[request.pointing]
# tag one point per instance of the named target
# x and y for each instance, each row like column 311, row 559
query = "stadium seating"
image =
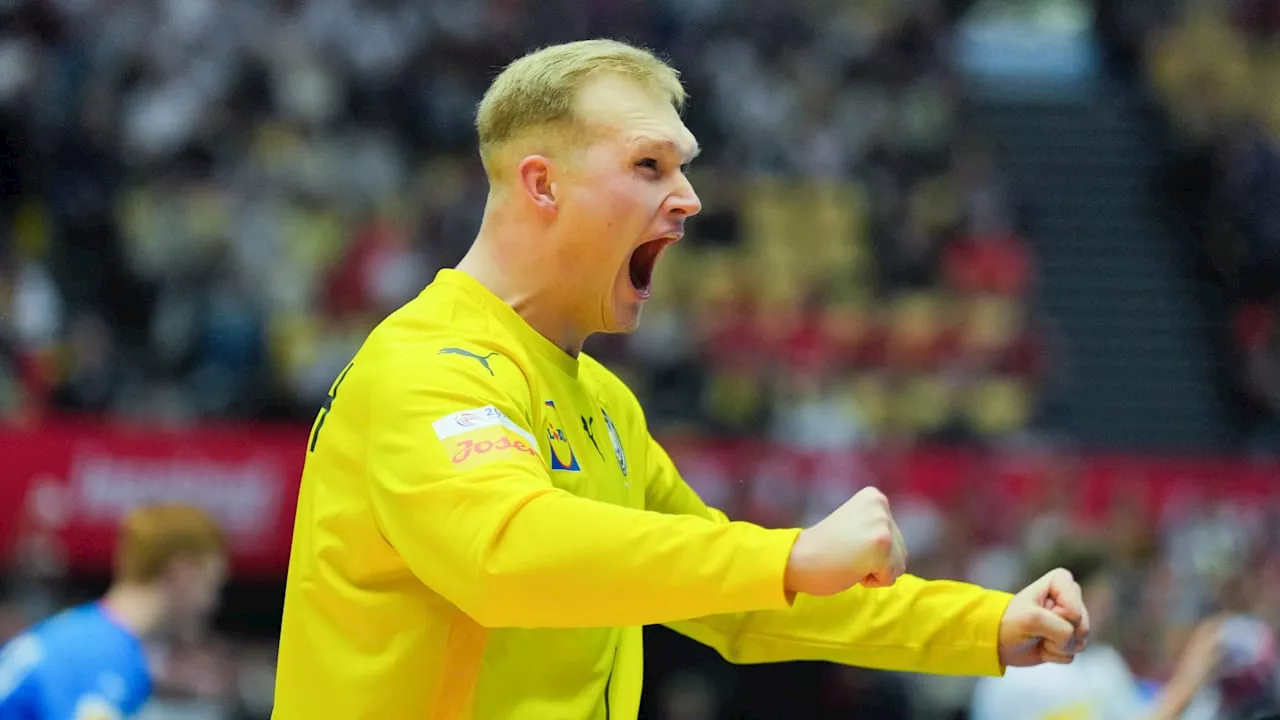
column 1216, row 72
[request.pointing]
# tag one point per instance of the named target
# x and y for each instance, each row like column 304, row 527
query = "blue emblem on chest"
column 562, row 457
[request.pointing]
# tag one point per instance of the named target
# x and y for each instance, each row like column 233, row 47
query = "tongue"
column 642, row 261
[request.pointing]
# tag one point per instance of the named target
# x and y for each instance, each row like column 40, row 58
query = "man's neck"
column 140, row 609
column 531, row 293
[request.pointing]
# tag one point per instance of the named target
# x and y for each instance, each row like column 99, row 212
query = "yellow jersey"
column 485, row 524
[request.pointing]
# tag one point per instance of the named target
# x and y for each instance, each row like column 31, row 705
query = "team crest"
column 616, row 439
column 562, row 457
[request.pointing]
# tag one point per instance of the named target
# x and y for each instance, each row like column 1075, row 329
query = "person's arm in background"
column 1196, row 667
column 938, row 626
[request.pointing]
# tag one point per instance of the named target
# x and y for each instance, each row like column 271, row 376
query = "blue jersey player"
column 88, row 663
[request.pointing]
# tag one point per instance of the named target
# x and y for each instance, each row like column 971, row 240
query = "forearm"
column 1174, row 699
column 937, row 627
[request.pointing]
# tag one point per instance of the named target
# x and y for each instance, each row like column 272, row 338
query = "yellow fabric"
column 476, row 537
column 939, row 627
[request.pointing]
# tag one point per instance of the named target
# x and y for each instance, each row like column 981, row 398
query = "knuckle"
column 874, row 494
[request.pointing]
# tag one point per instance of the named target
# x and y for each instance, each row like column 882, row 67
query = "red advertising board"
column 78, row 480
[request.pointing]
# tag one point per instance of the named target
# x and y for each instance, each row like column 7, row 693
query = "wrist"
column 793, row 575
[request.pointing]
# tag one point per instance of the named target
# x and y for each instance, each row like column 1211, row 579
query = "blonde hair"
column 151, row 537
column 537, row 92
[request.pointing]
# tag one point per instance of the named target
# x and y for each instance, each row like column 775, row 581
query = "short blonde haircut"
column 151, row 537
column 537, row 92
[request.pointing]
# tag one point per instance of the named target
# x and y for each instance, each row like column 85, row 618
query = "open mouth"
column 643, row 260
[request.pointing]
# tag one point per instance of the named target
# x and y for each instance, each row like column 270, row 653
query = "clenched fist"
column 859, row 543
column 1046, row 622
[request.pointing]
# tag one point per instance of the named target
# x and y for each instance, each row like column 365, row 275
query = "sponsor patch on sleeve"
column 476, row 436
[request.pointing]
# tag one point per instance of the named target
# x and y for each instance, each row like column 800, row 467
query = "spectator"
column 265, row 151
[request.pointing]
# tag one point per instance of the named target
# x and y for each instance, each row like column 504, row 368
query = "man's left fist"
column 1046, row 622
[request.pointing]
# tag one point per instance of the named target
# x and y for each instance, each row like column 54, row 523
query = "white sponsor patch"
column 465, row 421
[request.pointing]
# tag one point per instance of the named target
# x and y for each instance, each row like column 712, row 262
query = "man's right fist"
column 859, row 543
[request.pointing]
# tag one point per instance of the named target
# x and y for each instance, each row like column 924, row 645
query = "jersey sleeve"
column 459, row 489
column 937, row 627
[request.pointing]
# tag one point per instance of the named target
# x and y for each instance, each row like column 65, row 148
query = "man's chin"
column 624, row 318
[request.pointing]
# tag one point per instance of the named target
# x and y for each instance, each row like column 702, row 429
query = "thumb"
column 1047, row 624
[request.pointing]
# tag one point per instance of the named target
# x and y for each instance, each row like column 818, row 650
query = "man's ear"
column 180, row 568
column 535, row 179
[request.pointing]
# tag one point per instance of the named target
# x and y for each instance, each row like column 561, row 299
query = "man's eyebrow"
column 669, row 146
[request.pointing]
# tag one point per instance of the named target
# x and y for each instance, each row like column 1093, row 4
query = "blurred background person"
column 91, row 660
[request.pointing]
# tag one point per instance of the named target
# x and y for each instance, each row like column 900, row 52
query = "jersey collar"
column 530, row 338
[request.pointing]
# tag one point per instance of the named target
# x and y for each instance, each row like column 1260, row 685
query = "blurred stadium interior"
column 1016, row 263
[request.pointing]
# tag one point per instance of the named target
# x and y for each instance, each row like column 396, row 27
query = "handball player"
column 485, row 523
column 89, row 661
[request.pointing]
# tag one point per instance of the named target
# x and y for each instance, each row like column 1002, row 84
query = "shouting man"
column 485, row 523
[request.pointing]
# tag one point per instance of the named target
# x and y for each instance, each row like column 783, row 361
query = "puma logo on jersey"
column 482, row 359
column 589, row 427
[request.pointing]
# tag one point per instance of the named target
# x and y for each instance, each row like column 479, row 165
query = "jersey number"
column 328, row 405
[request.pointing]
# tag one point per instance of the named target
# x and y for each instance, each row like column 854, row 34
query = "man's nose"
column 684, row 202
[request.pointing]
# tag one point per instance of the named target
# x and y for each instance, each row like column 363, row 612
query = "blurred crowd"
column 1215, row 67
column 208, row 205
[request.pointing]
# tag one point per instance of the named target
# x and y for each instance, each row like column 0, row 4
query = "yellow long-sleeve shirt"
column 485, row 524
